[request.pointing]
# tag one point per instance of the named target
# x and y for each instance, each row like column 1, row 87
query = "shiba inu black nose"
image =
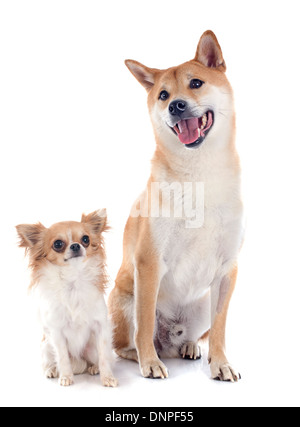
column 177, row 107
column 75, row 247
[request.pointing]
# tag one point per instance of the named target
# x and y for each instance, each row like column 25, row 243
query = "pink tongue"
column 188, row 130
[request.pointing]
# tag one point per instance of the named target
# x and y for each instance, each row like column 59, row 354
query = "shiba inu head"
column 192, row 103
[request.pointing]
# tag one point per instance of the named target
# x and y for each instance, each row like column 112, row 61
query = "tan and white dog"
column 68, row 265
column 177, row 277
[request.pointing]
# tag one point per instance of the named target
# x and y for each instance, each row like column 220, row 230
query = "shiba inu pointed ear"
column 209, row 52
column 145, row 75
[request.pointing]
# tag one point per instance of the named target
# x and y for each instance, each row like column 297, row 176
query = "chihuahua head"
column 65, row 242
column 192, row 103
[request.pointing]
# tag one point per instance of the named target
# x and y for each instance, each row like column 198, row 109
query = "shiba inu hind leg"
column 198, row 321
column 121, row 306
column 191, row 351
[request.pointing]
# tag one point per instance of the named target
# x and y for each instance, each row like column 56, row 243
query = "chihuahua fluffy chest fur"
column 69, row 301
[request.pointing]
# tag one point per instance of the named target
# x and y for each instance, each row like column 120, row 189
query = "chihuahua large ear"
column 145, row 75
column 30, row 235
column 97, row 220
column 209, row 52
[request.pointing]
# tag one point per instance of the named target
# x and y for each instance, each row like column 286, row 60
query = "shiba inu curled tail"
column 184, row 234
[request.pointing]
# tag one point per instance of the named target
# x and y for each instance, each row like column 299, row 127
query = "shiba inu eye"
column 164, row 95
column 196, row 83
column 85, row 241
column 58, row 246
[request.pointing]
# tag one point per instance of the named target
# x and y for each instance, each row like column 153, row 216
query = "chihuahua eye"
column 196, row 83
column 85, row 241
column 58, row 245
column 164, row 95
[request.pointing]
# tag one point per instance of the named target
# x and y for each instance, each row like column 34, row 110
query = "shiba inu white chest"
column 196, row 251
column 191, row 258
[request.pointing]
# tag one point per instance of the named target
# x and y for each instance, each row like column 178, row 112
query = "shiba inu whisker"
column 220, row 112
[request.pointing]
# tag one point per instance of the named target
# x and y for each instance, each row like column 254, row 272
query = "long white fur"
column 75, row 321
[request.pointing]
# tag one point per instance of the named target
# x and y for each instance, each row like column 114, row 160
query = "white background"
column 75, row 136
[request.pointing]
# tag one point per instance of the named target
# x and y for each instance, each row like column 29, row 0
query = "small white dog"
column 69, row 278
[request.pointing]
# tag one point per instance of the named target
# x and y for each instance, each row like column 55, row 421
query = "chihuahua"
column 69, row 280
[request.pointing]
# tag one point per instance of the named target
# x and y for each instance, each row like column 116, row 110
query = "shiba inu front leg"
column 221, row 295
column 147, row 282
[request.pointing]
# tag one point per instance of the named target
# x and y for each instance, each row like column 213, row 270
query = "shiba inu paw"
column 109, row 381
column 93, row 370
column 224, row 372
column 154, row 369
column 190, row 351
column 51, row 372
column 66, row 381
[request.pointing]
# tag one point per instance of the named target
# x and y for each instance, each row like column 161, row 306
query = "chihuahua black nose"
column 177, row 107
column 75, row 247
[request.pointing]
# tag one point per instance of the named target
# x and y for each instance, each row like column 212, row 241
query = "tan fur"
column 38, row 240
column 134, row 298
column 147, row 282
column 124, row 287
column 217, row 358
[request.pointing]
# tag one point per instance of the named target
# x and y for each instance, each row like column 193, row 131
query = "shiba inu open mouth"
column 194, row 130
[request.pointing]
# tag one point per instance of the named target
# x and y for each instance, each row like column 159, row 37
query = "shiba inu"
column 177, row 278
column 68, row 280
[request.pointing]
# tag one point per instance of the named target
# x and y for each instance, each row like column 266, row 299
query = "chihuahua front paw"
column 51, row 372
column 66, row 381
column 93, row 370
column 109, row 381
column 154, row 369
